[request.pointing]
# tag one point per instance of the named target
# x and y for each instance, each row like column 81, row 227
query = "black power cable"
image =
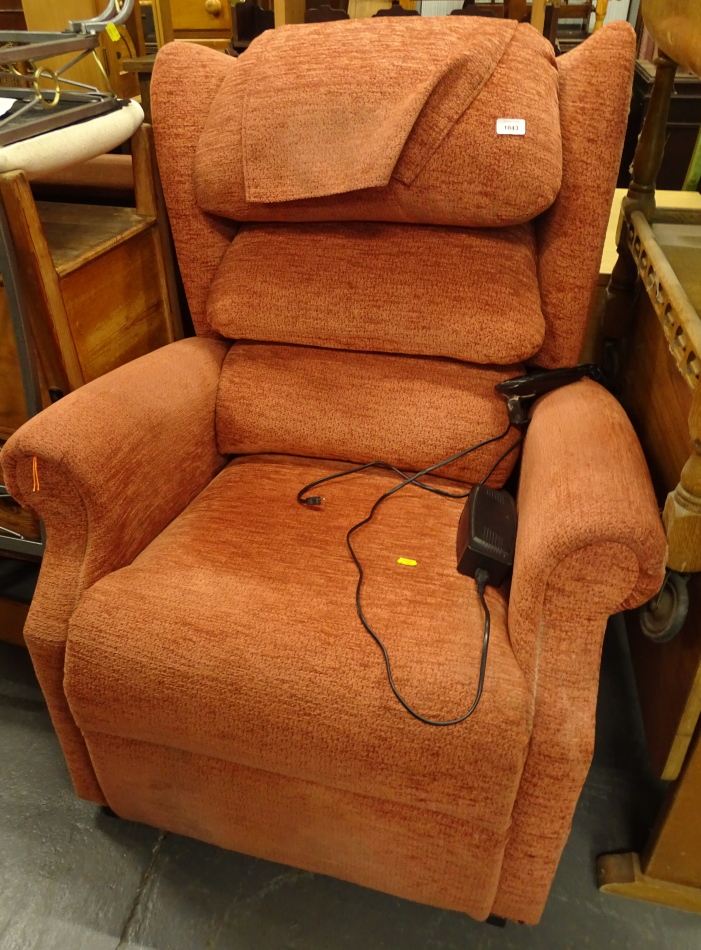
column 481, row 576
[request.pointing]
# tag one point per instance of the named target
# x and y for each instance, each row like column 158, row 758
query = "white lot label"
column 511, row 126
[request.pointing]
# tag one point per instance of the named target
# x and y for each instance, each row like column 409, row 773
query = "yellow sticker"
column 113, row 33
column 406, row 560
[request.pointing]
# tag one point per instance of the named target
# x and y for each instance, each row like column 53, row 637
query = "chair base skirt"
column 417, row 854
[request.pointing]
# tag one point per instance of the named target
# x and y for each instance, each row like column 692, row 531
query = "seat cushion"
column 363, row 407
column 234, row 635
column 468, row 294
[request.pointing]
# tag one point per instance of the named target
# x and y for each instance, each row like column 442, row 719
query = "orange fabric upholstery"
column 472, row 295
column 374, row 842
column 117, row 460
column 364, row 407
column 201, row 166
column 257, row 657
column 590, row 543
column 178, row 114
column 380, row 112
column 170, row 668
column 595, row 85
column 476, row 178
column 194, row 627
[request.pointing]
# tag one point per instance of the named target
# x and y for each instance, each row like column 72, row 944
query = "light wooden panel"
column 288, row 11
column 360, row 9
column 189, row 15
column 674, row 850
column 77, row 233
column 104, row 173
column 53, row 15
column 116, row 309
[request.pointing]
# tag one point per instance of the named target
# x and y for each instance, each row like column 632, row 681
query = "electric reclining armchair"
column 362, row 267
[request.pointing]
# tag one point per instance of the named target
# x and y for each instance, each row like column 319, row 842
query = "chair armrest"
column 584, row 486
column 119, row 458
column 116, row 461
column 590, row 543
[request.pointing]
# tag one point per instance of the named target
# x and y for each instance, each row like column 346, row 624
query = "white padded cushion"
column 73, row 144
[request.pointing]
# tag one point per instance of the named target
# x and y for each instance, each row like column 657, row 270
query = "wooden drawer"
column 191, row 15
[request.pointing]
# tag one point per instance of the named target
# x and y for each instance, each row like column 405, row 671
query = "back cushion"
column 471, row 295
column 475, row 178
column 199, row 154
column 361, row 407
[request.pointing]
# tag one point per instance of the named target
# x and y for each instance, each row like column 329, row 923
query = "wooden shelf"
column 78, row 233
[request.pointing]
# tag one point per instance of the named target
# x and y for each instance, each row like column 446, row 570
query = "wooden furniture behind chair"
column 652, row 342
column 98, row 283
column 682, row 126
column 208, row 22
column 325, row 14
column 470, row 8
column 568, row 10
column 544, row 18
column 49, row 15
column 396, row 9
column 250, row 20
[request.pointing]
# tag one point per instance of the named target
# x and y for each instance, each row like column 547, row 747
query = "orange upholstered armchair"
column 363, row 264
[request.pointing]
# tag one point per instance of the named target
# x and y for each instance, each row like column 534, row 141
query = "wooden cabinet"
column 195, row 18
column 208, row 22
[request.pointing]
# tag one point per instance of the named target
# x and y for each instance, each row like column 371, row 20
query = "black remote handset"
column 539, row 383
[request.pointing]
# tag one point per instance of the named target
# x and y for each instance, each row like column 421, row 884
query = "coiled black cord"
column 481, row 576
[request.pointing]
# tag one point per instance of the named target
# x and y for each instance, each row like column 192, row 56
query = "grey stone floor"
column 73, row 879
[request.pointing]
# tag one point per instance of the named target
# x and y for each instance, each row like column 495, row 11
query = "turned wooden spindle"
column 682, row 511
column 601, row 8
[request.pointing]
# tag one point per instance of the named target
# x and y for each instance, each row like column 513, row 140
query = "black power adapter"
column 487, row 534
